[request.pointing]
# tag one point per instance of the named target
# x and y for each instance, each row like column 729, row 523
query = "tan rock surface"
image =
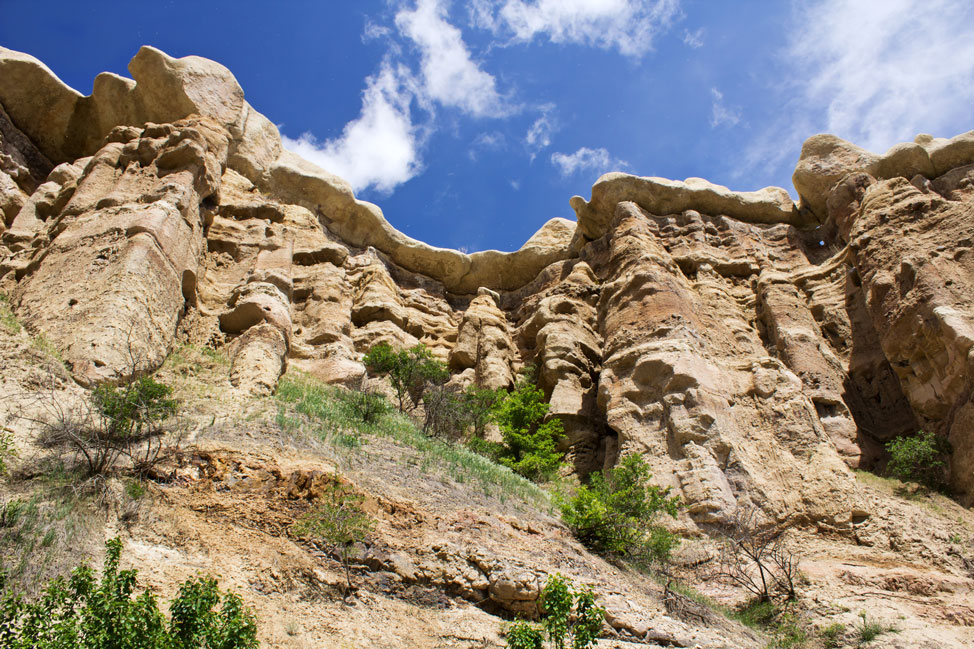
column 753, row 350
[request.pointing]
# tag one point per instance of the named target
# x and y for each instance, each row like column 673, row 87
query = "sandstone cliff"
column 754, row 349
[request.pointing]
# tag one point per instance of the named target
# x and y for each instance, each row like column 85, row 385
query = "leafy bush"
column 530, row 445
column 85, row 613
column 615, row 514
column 920, row 458
column 366, row 405
column 570, row 617
column 337, row 522
column 124, row 421
column 450, row 412
column 411, row 371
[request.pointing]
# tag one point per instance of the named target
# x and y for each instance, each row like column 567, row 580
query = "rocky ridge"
column 753, row 349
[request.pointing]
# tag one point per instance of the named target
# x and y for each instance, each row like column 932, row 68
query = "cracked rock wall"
column 751, row 348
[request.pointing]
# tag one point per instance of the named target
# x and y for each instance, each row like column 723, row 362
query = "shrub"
column 366, row 405
column 756, row 558
column 530, row 445
column 450, row 412
column 411, row 371
column 85, row 613
column 337, row 522
column 615, row 514
column 480, row 404
column 920, row 458
column 570, row 617
column 123, row 421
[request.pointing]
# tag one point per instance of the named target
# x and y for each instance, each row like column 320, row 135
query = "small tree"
column 122, row 421
column 570, row 618
column 530, row 445
column 85, row 613
column 451, row 412
column 615, row 514
column 411, row 371
column 756, row 557
column 920, row 458
column 337, row 522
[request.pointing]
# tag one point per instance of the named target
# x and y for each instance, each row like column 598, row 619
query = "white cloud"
column 586, row 159
column 693, row 39
column 449, row 75
column 492, row 141
column 881, row 71
column 374, row 31
column 539, row 135
column 628, row 26
column 515, row 185
column 720, row 113
column 380, row 148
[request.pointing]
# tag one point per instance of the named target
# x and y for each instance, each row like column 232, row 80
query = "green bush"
column 615, row 514
column 132, row 410
column 85, row 613
column 337, row 522
column 411, row 371
column 530, row 445
column 570, row 618
column 366, row 405
column 123, row 421
column 920, row 458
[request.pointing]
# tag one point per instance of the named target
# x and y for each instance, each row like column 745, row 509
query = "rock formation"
column 753, row 349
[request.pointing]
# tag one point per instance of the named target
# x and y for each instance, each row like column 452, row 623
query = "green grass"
column 868, row 630
column 7, row 318
column 832, row 635
column 31, row 532
column 329, row 414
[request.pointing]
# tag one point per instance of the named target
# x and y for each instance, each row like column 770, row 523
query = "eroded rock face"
column 913, row 255
column 108, row 275
column 752, row 349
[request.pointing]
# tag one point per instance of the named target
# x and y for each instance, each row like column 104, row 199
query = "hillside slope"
column 756, row 352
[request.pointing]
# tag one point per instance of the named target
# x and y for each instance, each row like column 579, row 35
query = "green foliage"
column 869, row 630
column 132, row 409
column 832, row 635
column 920, row 458
column 326, row 414
column 451, row 412
column 7, row 318
column 530, row 446
column 411, row 371
column 615, row 515
column 135, row 489
column 523, row 635
column 366, row 405
column 480, row 404
column 85, row 613
column 337, row 522
column 7, row 451
column 571, row 618
column 124, row 421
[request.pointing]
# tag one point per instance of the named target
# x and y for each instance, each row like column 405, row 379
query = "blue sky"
column 472, row 123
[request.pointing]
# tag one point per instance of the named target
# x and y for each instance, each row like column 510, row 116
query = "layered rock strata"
column 753, row 349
